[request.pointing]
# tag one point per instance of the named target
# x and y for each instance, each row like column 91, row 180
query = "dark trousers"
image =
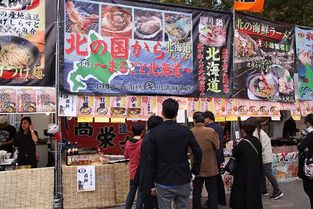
column 267, row 170
column 220, row 189
column 150, row 202
column 308, row 188
column 211, row 187
column 133, row 186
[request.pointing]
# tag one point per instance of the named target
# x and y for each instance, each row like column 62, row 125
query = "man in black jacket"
column 168, row 158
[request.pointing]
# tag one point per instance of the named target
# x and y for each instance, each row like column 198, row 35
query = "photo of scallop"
column 177, row 27
column 148, row 25
column 116, row 21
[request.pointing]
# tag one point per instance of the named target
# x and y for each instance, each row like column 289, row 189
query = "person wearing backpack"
column 306, row 158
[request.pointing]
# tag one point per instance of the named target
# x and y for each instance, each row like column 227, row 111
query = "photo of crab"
column 81, row 17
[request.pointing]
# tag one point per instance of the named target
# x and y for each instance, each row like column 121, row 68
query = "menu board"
column 263, row 60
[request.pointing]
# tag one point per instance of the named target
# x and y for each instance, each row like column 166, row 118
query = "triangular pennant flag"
column 249, row 5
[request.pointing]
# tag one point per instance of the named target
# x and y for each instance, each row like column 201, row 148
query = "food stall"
column 27, row 88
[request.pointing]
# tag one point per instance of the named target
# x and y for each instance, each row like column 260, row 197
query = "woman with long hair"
column 246, row 192
column 25, row 140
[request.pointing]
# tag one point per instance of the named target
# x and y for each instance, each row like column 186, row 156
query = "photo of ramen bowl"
column 264, row 109
column 118, row 111
column 85, row 110
column 262, row 86
column 134, row 111
column 102, row 110
column 253, row 110
column 10, row 108
column 29, row 107
column 243, row 109
column 18, row 52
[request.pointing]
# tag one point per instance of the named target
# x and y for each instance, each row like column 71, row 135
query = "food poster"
column 67, row 105
column 254, row 109
column 46, row 100
column 214, row 54
column 219, row 109
column 304, row 108
column 231, row 106
column 285, row 166
column 193, row 106
column 264, row 108
column 296, row 111
column 160, row 100
column 134, row 107
column 243, row 107
column 311, row 106
column 27, row 40
column 8, row 101
column 148, row 106
column 263, row 60
column 86, row 106
column 26, row 100
column 118, row 107
column 126, row 47
column 274, row 109
column 304, row 50
column 102, row 106
column 207, row 104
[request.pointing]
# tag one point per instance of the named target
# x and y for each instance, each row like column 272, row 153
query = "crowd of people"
column 169, row 160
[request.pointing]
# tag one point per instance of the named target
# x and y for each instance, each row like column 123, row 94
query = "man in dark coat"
column 168, row 157
column 246, row 191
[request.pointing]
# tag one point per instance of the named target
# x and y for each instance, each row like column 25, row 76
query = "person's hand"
column 153, row 192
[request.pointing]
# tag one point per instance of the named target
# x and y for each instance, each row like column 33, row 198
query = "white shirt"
column 267, row 153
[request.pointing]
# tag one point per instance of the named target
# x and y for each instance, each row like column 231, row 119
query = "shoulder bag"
column 232, row 164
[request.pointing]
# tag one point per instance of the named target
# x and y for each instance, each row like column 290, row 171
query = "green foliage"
column 297, row 12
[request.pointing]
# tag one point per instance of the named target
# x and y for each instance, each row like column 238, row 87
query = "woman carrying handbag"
column 246, row 191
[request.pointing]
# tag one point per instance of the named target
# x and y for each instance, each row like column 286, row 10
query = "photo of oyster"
column 177, row 27
column 148, row 25
column 116, row 21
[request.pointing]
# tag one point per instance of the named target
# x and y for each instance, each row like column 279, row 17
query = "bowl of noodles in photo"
column 17, row 52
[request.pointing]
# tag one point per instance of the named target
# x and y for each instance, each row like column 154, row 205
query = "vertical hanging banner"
column 116, row 47
column 304, row 49
column 27, row 42
column 263, row 60
column 213, row 54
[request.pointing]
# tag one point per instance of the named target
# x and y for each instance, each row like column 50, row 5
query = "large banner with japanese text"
column 110, row 138
column 134, row 47
column 304, row 50
column 27, row 42
column 263, row 59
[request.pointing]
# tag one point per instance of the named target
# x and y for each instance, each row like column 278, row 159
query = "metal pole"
column 58, row 196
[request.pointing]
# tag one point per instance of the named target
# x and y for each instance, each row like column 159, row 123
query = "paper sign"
column 181, row 116
column 86, row 178
column 84, row 119
column 67, row 105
